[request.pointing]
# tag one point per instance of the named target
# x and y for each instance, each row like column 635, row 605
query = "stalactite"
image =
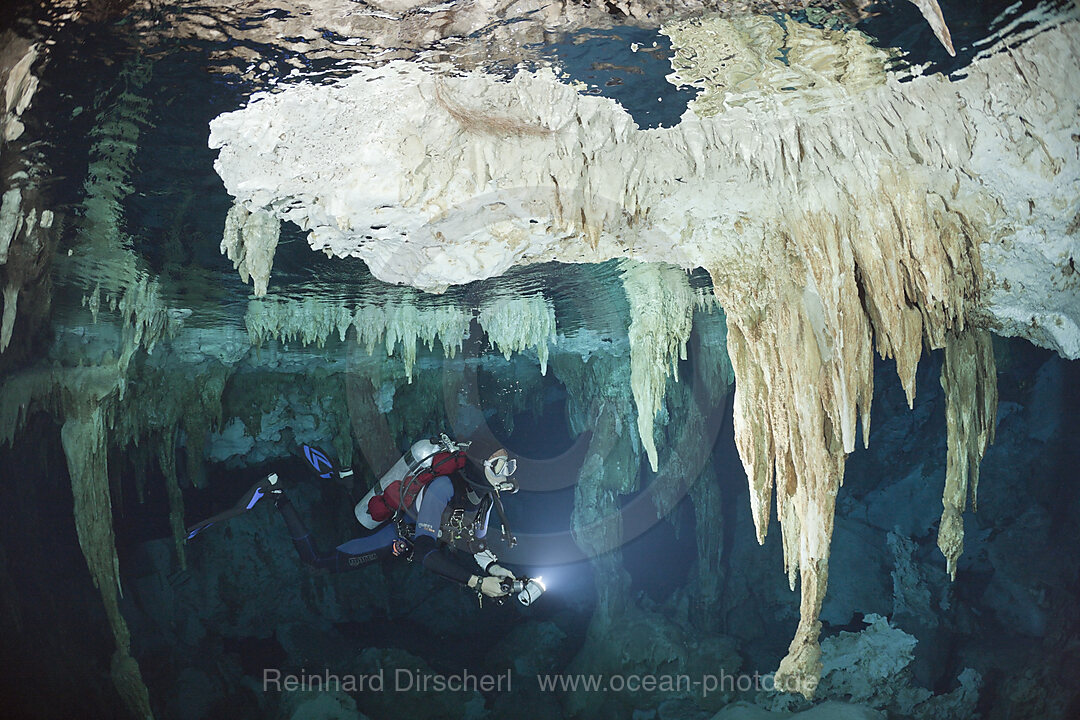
column 84, row 440
column 709, row 572
column 250, row 240
column 405, row 324
column 103, row 258
column 167, row 461
column 398, row 326
column 701, row 404
column 17, row 57
column 932, row 12
column 10, row 220
column 369, row 425
column 602, row 405
column 112, row 155
column 200, row 415
column 969, row 379
column 146, row 320
column 24, row 267
column 517, row 323
column 11, row 300
column 865, row 208
column 661, row 316
column 25, row 224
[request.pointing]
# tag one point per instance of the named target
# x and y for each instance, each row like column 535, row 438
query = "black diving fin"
column 322, row 465
column 318, row 461
column 266, row 486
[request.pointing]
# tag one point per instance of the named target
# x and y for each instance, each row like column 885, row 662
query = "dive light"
column 528, row 590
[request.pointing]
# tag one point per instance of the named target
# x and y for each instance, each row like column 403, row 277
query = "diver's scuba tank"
column 418, row 457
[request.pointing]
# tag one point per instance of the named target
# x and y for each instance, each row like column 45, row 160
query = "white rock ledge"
column 437, row 180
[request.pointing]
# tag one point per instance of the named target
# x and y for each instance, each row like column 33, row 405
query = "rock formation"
column 854, row 212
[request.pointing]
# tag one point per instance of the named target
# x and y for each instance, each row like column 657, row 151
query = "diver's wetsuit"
column 439, row 557
column 347, row 556
column 359, row 552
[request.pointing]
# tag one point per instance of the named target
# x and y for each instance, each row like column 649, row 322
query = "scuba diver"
column 433, row 504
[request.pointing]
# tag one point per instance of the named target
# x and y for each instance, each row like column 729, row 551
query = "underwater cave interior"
column 775, row 304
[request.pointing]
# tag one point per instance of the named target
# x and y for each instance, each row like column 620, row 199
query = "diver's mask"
column 498, row 470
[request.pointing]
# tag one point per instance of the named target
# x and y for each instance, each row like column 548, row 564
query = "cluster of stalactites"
column 144, row 317
column 802, row 317
column 115, row 143
column 515, row 324
column 23, row 222
column 103, row 261
column 512, row 324
column 856, row 225
column 970, row 383
column 661, row 318
column 404, row 324
column 17, row 56
column 250, row 240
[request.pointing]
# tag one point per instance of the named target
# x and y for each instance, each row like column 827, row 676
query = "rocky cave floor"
column 204, row 635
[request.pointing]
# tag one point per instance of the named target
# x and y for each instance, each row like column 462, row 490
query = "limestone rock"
column 514, row 324
column 932, row 12
column 870, row 213
column 249, row 240
column 970, row 383
column 661, row 317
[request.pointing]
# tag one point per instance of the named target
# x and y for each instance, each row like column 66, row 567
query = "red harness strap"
column 382, row 506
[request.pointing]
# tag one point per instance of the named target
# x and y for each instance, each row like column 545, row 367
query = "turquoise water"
column 680, row 585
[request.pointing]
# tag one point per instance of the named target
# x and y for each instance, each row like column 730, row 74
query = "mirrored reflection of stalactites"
column 767, row 60
column 28, row 226
column 101, row 263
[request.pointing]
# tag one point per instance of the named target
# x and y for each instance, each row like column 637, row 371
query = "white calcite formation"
column 21, row 223
column 872, row 668
column 17, row 56
column 397, row 326
column 735, row 62
column 250, row 240
column 857, row 211
column 515, row 324
column 438, row 190
column 662, row 311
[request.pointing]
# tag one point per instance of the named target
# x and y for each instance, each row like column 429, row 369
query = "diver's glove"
column 490, row 586
column 500, row 572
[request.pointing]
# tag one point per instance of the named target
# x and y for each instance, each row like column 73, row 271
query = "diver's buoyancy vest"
column 461, row 522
